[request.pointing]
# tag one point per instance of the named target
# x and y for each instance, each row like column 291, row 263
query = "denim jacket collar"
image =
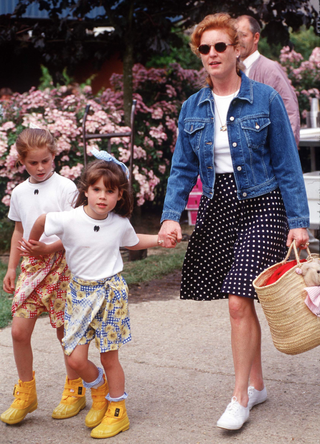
column 245, row 93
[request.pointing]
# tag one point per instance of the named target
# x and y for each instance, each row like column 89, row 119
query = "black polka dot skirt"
column 233, row 242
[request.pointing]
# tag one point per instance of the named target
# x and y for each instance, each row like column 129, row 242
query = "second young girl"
column 97, row 300
column 44, row 277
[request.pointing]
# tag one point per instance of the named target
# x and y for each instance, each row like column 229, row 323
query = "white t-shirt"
column 30, row 200
column 222, row 155
column 92, row 246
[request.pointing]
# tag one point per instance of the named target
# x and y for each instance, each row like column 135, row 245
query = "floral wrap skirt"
column 42, row 287
column 97, row 310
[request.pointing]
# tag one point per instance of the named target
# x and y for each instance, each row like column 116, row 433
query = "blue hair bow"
column 104, row 155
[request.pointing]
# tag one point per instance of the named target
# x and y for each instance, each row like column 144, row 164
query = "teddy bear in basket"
column 310, row 272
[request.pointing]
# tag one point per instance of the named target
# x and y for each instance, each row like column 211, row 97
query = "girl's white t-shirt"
column 30, row 200
column 92, row 246
column 222, row 155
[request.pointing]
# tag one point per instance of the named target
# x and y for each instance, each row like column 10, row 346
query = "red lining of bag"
column 281, row 271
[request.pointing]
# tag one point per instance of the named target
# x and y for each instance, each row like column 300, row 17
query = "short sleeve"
column 14, row 213
column 129, row 237
column 54, row 224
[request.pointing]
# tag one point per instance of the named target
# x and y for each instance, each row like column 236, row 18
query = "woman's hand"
column 170, row 233
column 300, row 235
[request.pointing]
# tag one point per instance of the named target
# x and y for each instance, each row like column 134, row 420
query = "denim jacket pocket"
column 194, row 130
column 255, row 131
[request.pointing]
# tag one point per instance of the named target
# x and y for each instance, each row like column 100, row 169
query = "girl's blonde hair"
column 113, row 178
column 32, row 138
column 219, row 21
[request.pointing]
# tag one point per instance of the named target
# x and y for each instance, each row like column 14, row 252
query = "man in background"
column 269, row 72
column 266, row 71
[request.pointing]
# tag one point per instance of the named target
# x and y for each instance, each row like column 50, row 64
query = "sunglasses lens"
column 220, row 47
column 204, row 49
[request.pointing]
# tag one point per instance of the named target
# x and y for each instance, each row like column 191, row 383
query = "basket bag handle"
column 296, row 253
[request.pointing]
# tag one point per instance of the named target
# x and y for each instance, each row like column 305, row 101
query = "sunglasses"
column 219, row 47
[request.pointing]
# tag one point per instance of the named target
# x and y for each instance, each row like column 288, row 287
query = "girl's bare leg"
column 78, row 362
column 114, row 373
column 21, row 332
column 70, row 372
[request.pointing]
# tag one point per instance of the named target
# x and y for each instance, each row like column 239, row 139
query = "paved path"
column 179, row 377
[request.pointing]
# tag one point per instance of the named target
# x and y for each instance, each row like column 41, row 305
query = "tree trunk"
column 127, row 82
column 127, row 66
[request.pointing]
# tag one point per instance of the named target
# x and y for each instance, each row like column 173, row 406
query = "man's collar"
column 248, row 62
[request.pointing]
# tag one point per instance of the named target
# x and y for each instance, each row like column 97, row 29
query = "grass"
column 6, row 230
column 5, row 300
column 159, row 262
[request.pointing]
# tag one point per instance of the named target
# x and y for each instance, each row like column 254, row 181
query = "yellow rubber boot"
column 73, row 399
column 99, row 405
column 115, row 421
column 25, row 402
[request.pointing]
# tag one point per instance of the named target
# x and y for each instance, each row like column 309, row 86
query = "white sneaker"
column 256, row 396
column 234, row 416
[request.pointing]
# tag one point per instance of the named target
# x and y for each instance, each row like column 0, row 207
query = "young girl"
column 97, row 300
column 44, row 277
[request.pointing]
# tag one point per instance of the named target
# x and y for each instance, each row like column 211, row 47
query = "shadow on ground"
column 156, row 290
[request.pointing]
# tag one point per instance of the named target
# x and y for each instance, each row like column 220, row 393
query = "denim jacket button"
column 232, row 118
column 244, row 194
column 234, row 144
column 239, row 168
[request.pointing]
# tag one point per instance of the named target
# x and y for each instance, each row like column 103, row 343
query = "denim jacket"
column 263, row 151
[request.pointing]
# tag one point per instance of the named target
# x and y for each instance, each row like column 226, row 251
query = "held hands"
column 170, row 234
column 173, row 241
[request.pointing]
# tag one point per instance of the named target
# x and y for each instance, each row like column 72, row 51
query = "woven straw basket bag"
column 294, row 328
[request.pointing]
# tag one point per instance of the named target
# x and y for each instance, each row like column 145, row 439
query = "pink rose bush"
column 159, row 94
column 304, row 75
